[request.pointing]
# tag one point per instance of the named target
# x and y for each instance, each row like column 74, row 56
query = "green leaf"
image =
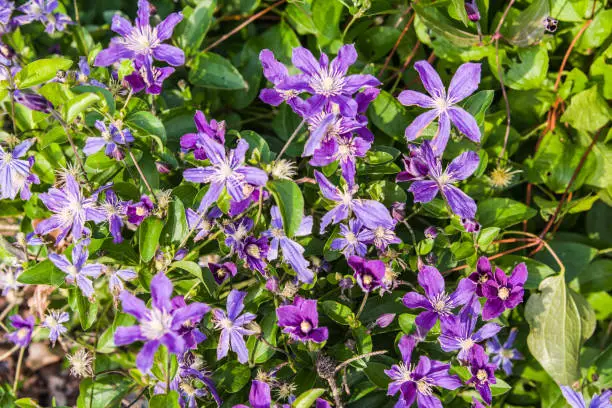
column 87, row 309
column 40, row 71
column 106, row 342
column 105, row 93
column 500, row 387
column 560, row 321
column 232, row 376
column 196, row 22
column 290, row 201
column 210, row 70
column 189, row 266
column 503, row 212
column 376, row 373
column 326, row 17
column 597, row 277
column 78, row 104
column 389, row 115
column 170, row 400
column 106, row 392
column 587, row 110
column 147, row 123
column 526, row 27
column 597, row 32
column 486, row 236
column 574, row 255
column 307, row 398
column 440, row 25
column 148, row 237
column 259, row 350
column 338, row 312
column 43, row 273
column 176, row 227
column 458, row 7
column 528, row 71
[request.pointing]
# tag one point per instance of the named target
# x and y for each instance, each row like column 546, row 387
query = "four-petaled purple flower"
column 482, row 274
column 71, row 210
column 301, row 321
column 436, row 302
column 483, row 372
column 226, row 171
column 16, row 174
column 232, row 327
column 42, row 10
column 418, row 382
column 115, row 211
column 136, row 213
column 162, row 324
column 222, row 272
column 201, row 223
column 78, row 272
column 23, row 330
column 458, row 332
column 353, row 241
column 504, row 292
column 576, row 400
column 441, row 181
column 254, row 251
column 110, row 137
column 54, row 321
column 141, row 40
column 293, row 253
column 443, row 106
column 148, row 77
column 368, row 274
column 502, row 355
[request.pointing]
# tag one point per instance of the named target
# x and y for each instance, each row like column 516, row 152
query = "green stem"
column 18, row 369
column 288, row 142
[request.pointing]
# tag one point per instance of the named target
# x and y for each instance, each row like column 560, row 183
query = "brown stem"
column 397, row 43
column 359, row 357
column 490, row 258
column 142, row 176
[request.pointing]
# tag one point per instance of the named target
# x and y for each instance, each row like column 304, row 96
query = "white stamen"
column 158, row 324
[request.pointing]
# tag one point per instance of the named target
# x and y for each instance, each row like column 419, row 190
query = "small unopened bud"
column 470, row 225
column 398, row 211
column 431, row 232
column 472, row 10
column 385, row 320
column 163, row 168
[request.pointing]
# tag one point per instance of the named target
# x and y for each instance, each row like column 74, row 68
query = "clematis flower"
column 276, row 73
column 78, row 271
column 23, row 330
column 115, row 211
column 189, row 368
column 201, row 224
column 148, row 77
column 214, row 130
column 371, row 213
column 352, row 241
column 301, row 321
column 441, row 181
column 43, row 11
column 116, row 279
column 33, row 101
column 443, row 106
column 368, row 274
column 6, row 10
column 162, row 324
column 504, row 292
column 71, row 210
column 136, row 213
column 417, row 382
column 54, row 321
column 16, row 174
column 232, row 327
column 344, row 150
column 293, row 253
column 381, row 237
column 236, row 232
column 321, row 403
column 576, row 400
column 385, row 320
column 502, row 355
column 436, row 302
column 458, row 333
column 254, row 252
column 226, row 171
column 328, row 125
column 328, row 83
column 222, row 272
column 110, row 137
column 482, row 274
column 259, row 395
column 8, row 279
column 141, row 40
column 82, row 74
column 483, row 372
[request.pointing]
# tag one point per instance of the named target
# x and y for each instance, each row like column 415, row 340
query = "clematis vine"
column 54, row 321
column 301, row 321
column 483, row 372
column 111, row 138
column 115, row 211
column 43, row 11
column 353, row 240
column 23, row 330
column 504, row 292
column 368, row 274
column 214, row 130
column 232, row 327
column 276, row 73
column 15, row 173
column 78, row 271
column 503, row 354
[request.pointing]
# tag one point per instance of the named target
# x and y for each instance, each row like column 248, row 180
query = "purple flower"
column 576, row 400
column 236, row 232
column 78, row 272
column 503, row 292
column 381, row 237
column 436, row 302
column 353, row 241
column 254, row 251
column 33, row 101
column 482, row 274
column 189, row 368
column 148, row 77
column 71, row 210
column 443, row 106
column 232, row 327
column 470, row 225
column 371, row 213
column 42, row 10
column 226, row 170
column 301, row 321
column 502, row 355
column 276, row 73
column 201, row 224
column 115, row 211
column 458, row 332
column 54, row 321
column 16, row 174
column 441, row 181
column 141, row 40
column 162, row 324
column 368, row 274
column 8, row 279
column 417, row 382
column 321, row 403
column 189, row 331
column 111, row 138
column 23, row 330
column 328, row 83
column 471, row 9
column 293, row 253
column 116, row 279
column 136, row 213
column 483, row 372
column 6, row 10
column 193, row 141
column 343, row 149
column 385, row 320
column 259, row 395
column 222, row 272
column 431, row 232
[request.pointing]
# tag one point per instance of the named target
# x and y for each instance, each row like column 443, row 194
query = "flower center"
column 225, row 323
column 305, row 327
column 483, row 278
column 158, row 324
column 22, row 333
column 142, row 39
column 7, row 157
column 441, row 304
column 367, row 279
column 405, row 372
column 441, row 103
column 140, row 211
column 225, row 171
column 72, row 271
column 350, row 238
column 424, row 387
column 482, row 375
column 345, row 150
column 277, row 233
column 188, row 389
column 253, row 251
column 503, row 293
column 466, row 344
column 327, row 83
column 507, row 353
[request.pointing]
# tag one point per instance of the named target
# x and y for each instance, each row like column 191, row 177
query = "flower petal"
column 465, row 123
column 409, row 98
column 464, row 82
column 430, row 78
